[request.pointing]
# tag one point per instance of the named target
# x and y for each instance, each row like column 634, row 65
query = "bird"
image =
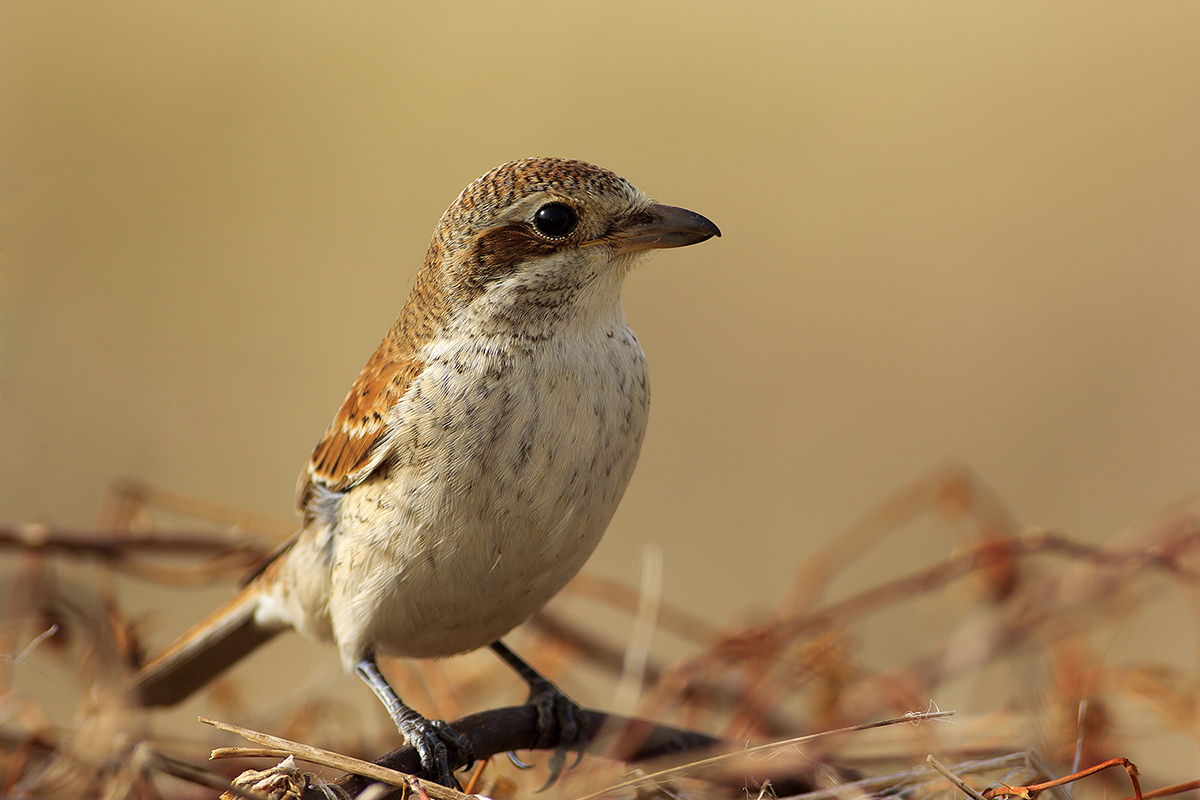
column 478, row 458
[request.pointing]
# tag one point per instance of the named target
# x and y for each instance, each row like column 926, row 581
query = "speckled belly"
column 506, row 475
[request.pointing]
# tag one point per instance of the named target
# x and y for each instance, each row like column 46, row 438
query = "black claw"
column 562, row 724
column 434, row 740
column 427, row 737
column 579, row 732
column 461, row 744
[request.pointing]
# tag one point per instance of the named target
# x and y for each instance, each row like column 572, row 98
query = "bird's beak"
column 663, row 226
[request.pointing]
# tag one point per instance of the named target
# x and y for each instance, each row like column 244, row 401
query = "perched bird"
column 478, row 458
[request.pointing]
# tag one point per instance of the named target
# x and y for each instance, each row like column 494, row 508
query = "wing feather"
column 354, row 443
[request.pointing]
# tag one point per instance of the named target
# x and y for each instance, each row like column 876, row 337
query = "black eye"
column 554, row 220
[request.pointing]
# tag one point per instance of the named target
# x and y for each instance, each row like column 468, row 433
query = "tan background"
column 962, row 230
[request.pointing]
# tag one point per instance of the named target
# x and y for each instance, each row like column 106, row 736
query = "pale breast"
column 508, row 465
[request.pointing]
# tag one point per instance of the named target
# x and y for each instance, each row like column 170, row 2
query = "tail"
column 209, row 648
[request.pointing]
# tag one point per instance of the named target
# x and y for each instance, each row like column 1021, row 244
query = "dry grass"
column 1008, row 594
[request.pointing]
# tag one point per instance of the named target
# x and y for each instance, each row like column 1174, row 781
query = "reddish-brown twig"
column 1034, row 789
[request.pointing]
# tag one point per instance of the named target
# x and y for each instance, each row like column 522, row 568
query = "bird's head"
column 547, row 238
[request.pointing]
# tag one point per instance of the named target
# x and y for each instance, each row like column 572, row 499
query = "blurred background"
column 961, row 231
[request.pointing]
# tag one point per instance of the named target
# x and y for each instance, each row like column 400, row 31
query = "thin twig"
column 1034, row 789
column 769, row 749
column 200, row 776
column 327, row 758
column 115, row 542
column 1167, row 791
column 767, row 641
column 950, row 776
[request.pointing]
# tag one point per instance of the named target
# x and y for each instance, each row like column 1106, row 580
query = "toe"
column 562, row 724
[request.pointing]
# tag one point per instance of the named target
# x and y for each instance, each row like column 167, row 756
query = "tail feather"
column 209, row 648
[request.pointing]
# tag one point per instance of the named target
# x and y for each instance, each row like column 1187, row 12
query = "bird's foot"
column 562, row 724
column 435, row 742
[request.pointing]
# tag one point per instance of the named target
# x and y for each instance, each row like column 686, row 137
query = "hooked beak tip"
column 661, row 226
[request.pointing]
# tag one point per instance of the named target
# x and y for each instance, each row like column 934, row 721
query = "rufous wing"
column 353, row 444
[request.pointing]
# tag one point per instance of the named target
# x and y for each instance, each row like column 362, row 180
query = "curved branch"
column 515, row 728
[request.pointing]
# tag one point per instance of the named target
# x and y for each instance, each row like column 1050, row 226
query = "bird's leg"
column 561, row 721
column 430, row 737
